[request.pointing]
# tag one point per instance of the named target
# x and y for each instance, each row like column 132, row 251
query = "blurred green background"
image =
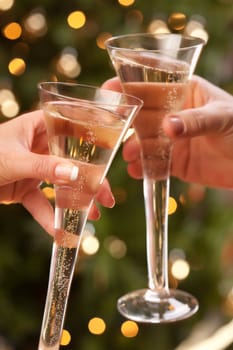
column 40, row 40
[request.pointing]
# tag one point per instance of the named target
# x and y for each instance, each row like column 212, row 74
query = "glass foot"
column 149, row 306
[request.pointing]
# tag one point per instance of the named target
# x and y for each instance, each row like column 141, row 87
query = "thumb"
column 42, row 167
column 213, row 118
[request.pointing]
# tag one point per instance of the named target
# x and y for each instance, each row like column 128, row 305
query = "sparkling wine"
column 156, row 68
column 161, row 82
column 88, row 138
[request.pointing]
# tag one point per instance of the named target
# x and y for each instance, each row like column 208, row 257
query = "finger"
column 105, row 196
column 42, row 167
column 213, row 118
column 94, row 213
column 131, row 149
column 112, row 84
column 135, row 169
column 41, row 209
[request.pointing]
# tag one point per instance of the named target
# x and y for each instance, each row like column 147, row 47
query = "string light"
column 96, row 326
column 129, row 329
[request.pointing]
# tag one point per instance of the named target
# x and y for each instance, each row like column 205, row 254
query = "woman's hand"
column 25, row 163
column 202, row 135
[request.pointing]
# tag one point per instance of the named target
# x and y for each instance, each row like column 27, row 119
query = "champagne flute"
column 86, row 125
column 157, row 69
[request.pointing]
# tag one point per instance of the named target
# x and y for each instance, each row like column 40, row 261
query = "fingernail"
column 66, row 172
column 109, row 199
column 177, row 125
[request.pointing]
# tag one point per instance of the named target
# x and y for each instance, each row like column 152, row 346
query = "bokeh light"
column 68, row 64
column 177, row 21
column 9, row 105
column 134, row 17
column 129, row 329
column 180, row 269
column 12, row 31
column 116, row 247
column 172, row 205
column 65, row 338
column 49, row 192
column 96, row 326
column 101, row 38
column 90, row 245
column 6, row 94
column 126, row 2
column 76, row 19
column 158, row 26
column 36, row 24
column 17, row 66
column 10, row 108
column 6, row 4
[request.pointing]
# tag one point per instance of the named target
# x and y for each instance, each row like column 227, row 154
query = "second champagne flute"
column 157, row 69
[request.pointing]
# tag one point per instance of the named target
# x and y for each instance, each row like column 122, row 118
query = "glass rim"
column 109, row 42
column 135, row 100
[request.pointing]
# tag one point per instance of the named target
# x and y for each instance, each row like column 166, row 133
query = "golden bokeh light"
column 180, row 269
column 76, row 19
column 101, row 38
column 129, row 329
column 65, row 338
column 17, row 66
column 172, row 206
column 49, row 192
column 177, row 21
column 6, row 4
column 126, row 2
column 96, row 326
column 12, row 31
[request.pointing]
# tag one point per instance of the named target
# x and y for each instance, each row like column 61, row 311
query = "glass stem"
column 69, row 224
column 156, row 196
